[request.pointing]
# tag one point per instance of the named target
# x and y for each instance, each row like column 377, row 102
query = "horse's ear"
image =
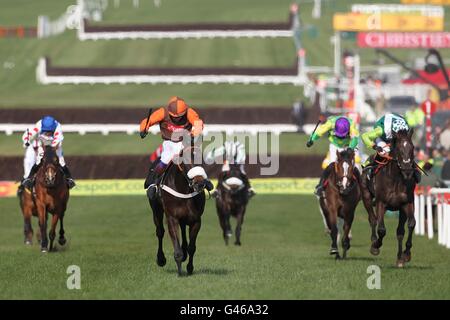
column 410, row 133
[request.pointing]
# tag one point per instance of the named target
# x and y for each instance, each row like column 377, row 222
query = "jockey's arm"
column 155, row 117
column 58, row 136
column 31, row 134
column 321, row 130
column 197, row 123
column 354, row 136
column 369, row 137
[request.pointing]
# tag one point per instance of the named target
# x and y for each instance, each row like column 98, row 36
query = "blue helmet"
column 49, row 124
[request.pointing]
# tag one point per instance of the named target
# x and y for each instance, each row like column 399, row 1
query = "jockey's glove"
column 309, row 143
column 143, row 134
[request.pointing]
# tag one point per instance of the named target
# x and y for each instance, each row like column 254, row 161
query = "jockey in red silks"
column 46, row 131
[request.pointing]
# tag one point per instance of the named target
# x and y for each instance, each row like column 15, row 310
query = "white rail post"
column 440, row 213
column 422, row 215
column 430, row 230
column 447, row 223
column 416, row 212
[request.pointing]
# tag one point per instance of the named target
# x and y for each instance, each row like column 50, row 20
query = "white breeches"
column 226, row 167
column 169, row 150
column 34, row 157
column 333, row 149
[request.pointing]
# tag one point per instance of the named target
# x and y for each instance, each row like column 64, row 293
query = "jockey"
column 381, row 135
column 173, row 120
column 234, row 152
column 342, row 134
column 45, row 129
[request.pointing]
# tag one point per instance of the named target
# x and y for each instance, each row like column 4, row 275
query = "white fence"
column 43, row 78
column 106, row 129
column 423, row 208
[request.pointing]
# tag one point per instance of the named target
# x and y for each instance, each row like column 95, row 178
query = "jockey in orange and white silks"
column 234, row 153
column 173, row 120
column 46, row 131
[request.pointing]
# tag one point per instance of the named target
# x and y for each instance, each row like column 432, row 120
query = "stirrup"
column 28, row 183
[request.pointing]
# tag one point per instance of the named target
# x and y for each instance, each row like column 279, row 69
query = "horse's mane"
column 50, row 154
column 347, row 154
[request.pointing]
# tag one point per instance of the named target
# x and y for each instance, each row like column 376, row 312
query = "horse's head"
column 403, row 152
column 50, row 166
column 233, row 179
column 344, row 169
column 188, row 162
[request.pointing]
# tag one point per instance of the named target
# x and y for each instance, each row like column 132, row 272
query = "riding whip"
column 317, row 125
column 27, row 144
column 144, row 134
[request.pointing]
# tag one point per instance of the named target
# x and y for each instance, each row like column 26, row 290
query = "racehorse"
column 392, row 186
column 51, row 195
column 232, row 200
column 182, row 200
column 340, row 198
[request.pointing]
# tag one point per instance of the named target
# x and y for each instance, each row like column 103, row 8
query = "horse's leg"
column 178, row 252
column 158, row 218
column 409, row 211
column 193, row 232
column 27, row 228
column 348, row 221
column 224, row 221
column 61, row 239
column 400, row 235
column 42, row 214
column 331, row 222
column 184, row 243
column 240, row 221
column 367, row 202
column 52, row 234
column 381, row 228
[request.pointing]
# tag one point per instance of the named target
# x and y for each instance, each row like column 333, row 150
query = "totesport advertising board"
column 403, row 40
column 135, row 187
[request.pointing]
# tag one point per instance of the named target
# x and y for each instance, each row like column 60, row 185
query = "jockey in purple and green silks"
column 342, row 134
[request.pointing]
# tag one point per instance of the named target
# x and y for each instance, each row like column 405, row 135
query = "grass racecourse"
column 284, row 255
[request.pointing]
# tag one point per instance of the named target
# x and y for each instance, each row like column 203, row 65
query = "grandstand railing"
column 106, row 129
column 424, row 201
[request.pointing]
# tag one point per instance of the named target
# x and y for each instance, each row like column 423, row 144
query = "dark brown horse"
column 340, row 198
column 182, row 199
column 231, row 200
column 51, row 195
column 392, row 186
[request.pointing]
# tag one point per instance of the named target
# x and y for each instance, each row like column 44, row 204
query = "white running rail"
column 424, row 200
column 106, row 129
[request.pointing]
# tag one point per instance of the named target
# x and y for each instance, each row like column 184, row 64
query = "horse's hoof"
column 190, row 269
column 400, row 263
column 374, row 251
column 237, row 243
column 406, row 257
column 44, row 250
column 334, row 251
column 62, row 241
column 28, row 242
column 161, row 261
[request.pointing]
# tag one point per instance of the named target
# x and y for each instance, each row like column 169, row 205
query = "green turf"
column 18, row 57
column 284, row 255
column 97, row 144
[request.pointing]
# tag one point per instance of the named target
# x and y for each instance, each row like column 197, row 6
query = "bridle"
column 340, row 180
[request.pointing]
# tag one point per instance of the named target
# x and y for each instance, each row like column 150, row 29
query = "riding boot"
column 319, row 188
column 417, row 176
column 153, row 179
column 208, row 185
column 68, row 176
column 28, row 182
column 250, row 191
